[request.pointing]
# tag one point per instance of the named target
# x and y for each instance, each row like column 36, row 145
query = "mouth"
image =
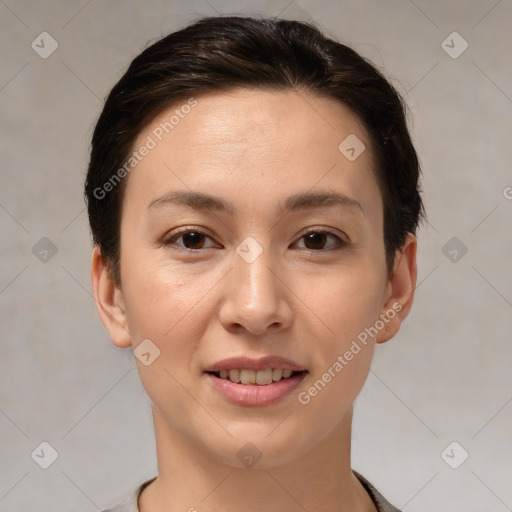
column 251, row 377
column 252, row 382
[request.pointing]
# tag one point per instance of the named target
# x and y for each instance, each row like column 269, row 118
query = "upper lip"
column 247, row 363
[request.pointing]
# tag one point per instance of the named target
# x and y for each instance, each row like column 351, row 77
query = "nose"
column 256, row 296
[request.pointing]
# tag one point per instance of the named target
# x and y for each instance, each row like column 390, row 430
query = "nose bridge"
column 254, row 275
column 255, row 295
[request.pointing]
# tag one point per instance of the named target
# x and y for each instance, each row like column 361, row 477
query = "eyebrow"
column 296, row 202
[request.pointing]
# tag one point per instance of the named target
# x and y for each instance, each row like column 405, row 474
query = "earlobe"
column 401, row 290
column 109, row 301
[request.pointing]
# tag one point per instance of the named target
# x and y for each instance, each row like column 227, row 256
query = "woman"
column 253, row 197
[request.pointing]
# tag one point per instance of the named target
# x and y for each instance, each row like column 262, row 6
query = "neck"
column 192, row 479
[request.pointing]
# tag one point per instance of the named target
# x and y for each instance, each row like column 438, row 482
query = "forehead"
column 253, row 117
column 245, row 143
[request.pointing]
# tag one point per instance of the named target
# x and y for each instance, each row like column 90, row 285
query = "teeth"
column 264, row 377
column 277, row 374
column 248, row 377
column 234, row 375
column 261, row 377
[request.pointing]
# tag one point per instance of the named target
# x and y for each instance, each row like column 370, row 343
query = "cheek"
column 342, row 356
column 163, row 308
column 344, row 304
column 348, row 308
column 159, row 297
column 172, row 307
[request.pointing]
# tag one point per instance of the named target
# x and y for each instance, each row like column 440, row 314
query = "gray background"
column 445, row 377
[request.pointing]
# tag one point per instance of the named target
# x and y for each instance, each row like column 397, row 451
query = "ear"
column 109, row 301
column 400, row 290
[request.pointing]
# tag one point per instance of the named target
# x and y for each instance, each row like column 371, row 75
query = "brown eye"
column 316, row 240
column 192, row 239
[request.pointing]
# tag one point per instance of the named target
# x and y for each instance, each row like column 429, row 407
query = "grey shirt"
column 130, row 504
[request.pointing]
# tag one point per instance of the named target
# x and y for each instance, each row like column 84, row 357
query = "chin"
column 260, row 449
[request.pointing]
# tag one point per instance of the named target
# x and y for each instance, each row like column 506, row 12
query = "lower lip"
column 254, row 394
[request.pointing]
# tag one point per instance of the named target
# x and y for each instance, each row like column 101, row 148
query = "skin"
column 253, row 148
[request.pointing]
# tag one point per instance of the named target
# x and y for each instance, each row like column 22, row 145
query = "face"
column 251, row 259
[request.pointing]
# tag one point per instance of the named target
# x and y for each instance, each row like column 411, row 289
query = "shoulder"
column 380, row 502
column 130, row 502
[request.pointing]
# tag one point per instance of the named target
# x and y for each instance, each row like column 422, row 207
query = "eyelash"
column 169, row 242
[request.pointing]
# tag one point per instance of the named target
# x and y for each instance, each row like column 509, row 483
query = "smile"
column 261, row 377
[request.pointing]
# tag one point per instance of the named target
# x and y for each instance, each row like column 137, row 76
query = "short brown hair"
column 221, row 53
